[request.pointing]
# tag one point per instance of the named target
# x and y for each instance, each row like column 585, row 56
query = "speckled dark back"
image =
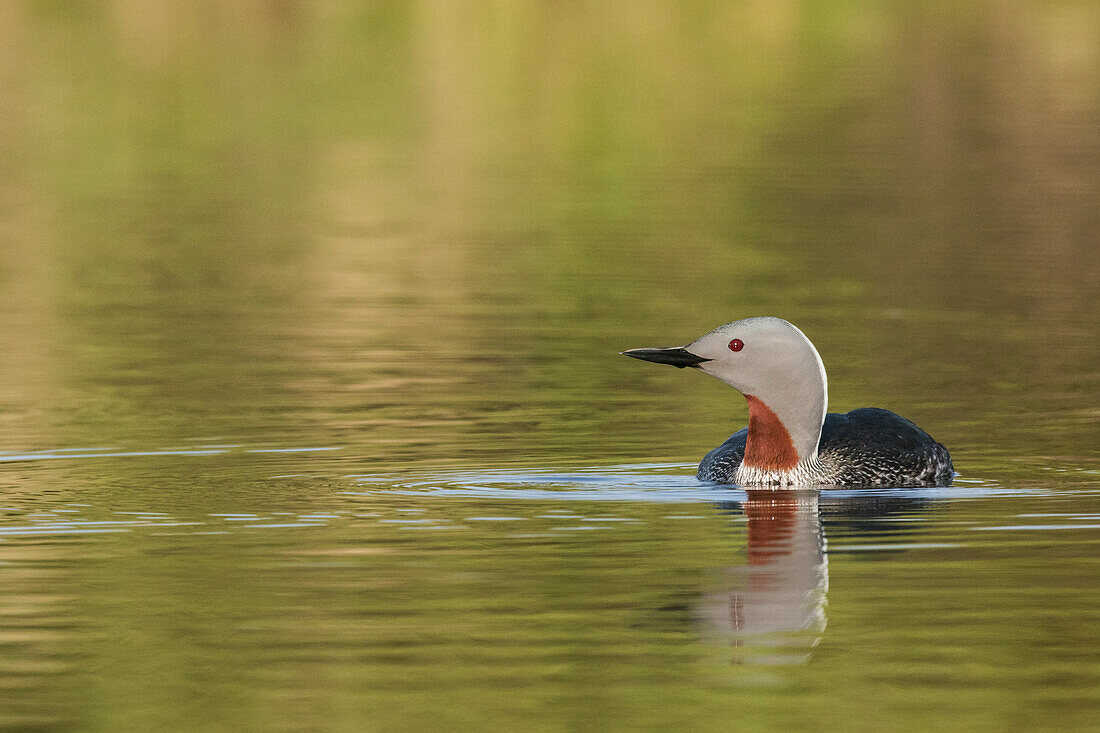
column 875, row 447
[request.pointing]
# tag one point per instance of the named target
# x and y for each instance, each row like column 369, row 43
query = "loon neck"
column 769, row 446
column 782, row 441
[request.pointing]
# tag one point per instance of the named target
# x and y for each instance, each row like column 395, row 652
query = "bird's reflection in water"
column 772, row 609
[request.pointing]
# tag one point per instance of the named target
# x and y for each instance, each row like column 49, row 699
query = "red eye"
column 737, row 345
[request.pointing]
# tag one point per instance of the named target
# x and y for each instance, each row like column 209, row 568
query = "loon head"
column 779, row 372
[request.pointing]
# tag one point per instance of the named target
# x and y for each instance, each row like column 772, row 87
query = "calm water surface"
column 311, row 412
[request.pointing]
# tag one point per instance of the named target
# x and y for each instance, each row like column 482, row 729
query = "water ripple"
column 630, row 483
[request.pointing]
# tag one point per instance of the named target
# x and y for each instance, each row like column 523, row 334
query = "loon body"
column 790, row 440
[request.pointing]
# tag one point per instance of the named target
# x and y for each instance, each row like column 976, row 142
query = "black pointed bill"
column 675, row 356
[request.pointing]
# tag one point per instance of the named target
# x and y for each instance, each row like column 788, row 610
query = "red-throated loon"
column 790, row 440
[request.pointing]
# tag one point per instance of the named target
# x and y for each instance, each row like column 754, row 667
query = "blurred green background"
column 211, row 210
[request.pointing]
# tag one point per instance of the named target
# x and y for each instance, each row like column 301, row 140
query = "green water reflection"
column 415, row 235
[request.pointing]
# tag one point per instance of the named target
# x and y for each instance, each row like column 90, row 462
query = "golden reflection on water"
column 292, row 183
